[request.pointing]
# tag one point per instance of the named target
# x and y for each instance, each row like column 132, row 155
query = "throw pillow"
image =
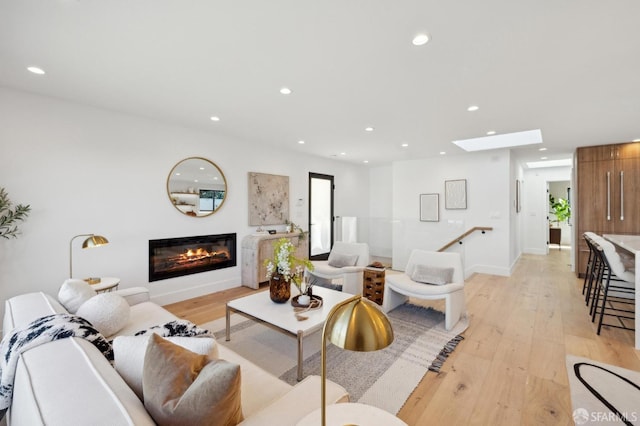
column 184, row 388
column 128, row 353
column 107, row 312
column 339, row 260
column 432, row 275
column 73, row 293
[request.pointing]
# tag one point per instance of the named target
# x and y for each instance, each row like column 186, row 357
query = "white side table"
column 352, row 413
column 106, row 284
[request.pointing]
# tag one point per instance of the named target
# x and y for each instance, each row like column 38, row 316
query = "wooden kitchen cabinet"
column 607, row 179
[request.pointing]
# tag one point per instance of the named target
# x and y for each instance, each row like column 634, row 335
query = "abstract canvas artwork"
column 429, row 207
column 268, row 199
column 455, row 194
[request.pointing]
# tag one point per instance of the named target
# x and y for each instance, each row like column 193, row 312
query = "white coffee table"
column 281, row 316
column 352, row 414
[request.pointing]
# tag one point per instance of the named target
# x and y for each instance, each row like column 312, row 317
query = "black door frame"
column 323, row 256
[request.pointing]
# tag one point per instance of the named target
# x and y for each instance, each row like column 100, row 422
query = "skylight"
column 550, row 163
column 508, row 140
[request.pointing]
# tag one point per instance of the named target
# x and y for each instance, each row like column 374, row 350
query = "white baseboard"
column 487, row 269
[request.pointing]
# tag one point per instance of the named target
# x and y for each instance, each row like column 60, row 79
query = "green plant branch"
column 10, row 216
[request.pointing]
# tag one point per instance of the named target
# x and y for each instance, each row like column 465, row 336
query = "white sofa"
column 70, row 382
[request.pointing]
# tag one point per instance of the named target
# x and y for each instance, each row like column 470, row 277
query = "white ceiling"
column 567, row 67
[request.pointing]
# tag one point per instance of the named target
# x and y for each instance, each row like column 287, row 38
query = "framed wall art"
column 429, row 207
column 268, row 199
column 455, row 194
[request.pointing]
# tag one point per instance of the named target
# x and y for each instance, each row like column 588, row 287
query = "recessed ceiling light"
column 544, row 158
column 542, row 149
column 365, row 161
column 285, row 91
column 177, row 173
column 215, row 178
column 201, row 168
column 36, row 70
column 636, row 140
column 343, row 153
column 505, row 140
column 491, row 132
column 442, row 152
column 404, row 145
column 368, row 129
column 301, row 142
column 421, row 39
column 473, row 108
column 215, row 118
column 195, row 180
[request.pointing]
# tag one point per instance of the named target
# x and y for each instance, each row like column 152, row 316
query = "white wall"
column 380, row 211
column 536, row 208
column 88, row 170
column 489, row 187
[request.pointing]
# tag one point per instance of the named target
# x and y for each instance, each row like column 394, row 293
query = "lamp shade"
column 355, row 324
column 359, row 326
column 94, row 241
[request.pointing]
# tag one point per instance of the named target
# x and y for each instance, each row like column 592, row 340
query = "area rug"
column 603, row 394
column 384, row 378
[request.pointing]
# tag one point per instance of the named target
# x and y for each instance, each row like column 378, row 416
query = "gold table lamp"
column 93, row 241
column 355, row 324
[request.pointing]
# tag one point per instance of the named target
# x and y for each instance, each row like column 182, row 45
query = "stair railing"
column 466, row 234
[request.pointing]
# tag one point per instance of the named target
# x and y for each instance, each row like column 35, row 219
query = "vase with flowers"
column 285, row 268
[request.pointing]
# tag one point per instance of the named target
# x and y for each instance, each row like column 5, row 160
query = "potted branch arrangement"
column 284, row 269
column 10, row 216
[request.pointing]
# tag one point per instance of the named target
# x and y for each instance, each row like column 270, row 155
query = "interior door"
column 320, row 215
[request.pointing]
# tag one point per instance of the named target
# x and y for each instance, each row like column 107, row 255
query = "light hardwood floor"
column 510, row 369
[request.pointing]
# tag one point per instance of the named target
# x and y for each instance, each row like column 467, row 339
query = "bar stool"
column 615, row 287
column 595, row 267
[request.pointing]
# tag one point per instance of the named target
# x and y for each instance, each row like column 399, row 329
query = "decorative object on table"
column 93, row 240
column 429, row 207
column 455, row 194
column 314, row 302
column 285, row 268
column 292, row 227
column 9, row 216
column 268, row 199
column 355, row 324
column 279, row 288
column 299, row 310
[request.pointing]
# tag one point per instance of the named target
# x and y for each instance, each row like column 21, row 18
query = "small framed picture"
column 429, row 207
column 455, row 194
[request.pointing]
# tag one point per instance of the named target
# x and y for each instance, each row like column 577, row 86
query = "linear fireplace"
column 174, row 257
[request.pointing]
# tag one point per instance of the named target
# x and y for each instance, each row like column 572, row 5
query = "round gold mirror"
column 196, row 187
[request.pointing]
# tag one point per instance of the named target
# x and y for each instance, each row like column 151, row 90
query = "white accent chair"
column 351, row 275
column 399, row 287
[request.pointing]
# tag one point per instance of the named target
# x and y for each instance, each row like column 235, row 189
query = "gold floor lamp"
column 93, row 241
column 356, row 324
